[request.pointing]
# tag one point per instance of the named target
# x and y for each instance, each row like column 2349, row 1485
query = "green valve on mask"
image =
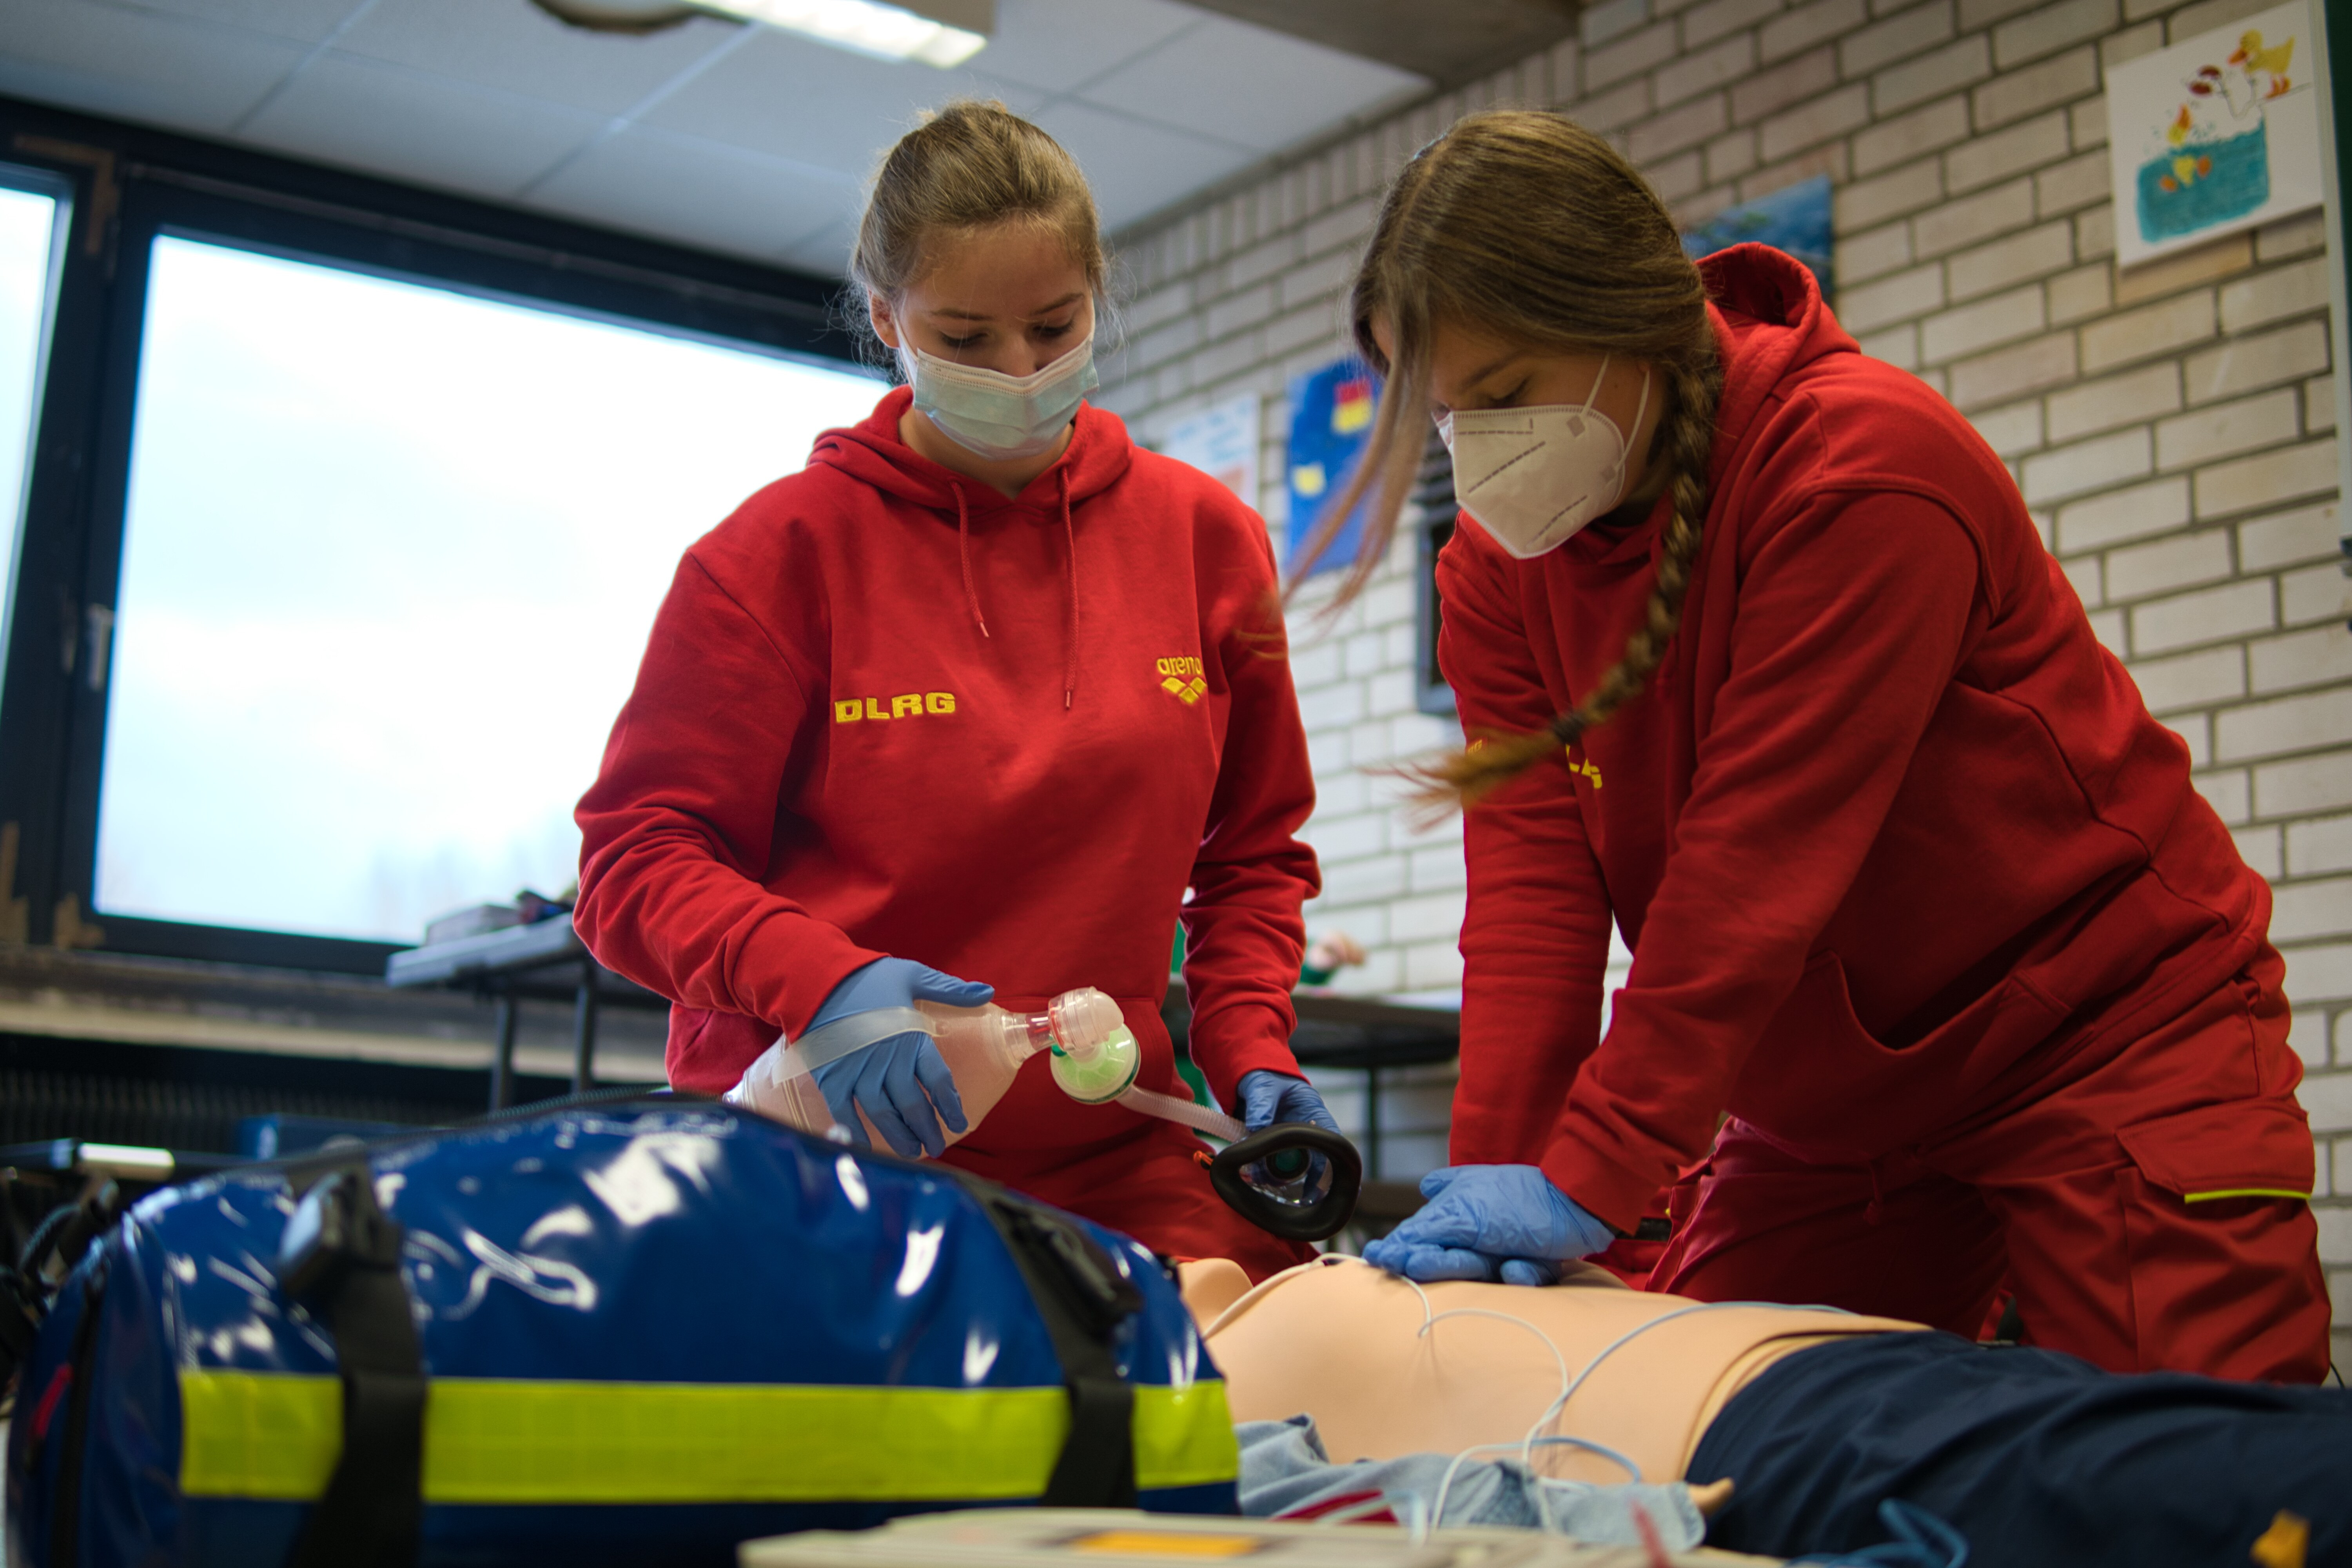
column 1104, row 1073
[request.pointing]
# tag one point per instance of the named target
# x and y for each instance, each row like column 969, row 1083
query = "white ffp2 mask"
column 1533, row 477
column 998, row 417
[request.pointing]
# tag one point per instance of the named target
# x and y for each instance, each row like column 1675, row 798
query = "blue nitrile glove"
column 1487, row 1222
column 896, row 1081
column 1268, row 1097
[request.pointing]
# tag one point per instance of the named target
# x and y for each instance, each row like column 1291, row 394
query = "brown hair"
column 1531, row 227
column 969, row 166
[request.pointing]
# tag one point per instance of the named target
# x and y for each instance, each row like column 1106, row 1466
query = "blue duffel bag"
column 630, row 1333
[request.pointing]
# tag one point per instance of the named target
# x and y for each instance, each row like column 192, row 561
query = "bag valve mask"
column 998, row 417
column 1533, row 477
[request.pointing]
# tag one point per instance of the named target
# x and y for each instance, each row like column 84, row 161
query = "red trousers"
column 2131, row 1203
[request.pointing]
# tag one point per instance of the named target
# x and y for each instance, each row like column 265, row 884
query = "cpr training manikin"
column 1612, row 1414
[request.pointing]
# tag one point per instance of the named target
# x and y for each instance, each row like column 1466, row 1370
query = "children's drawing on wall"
column 1794, row 218
column 2217, row 133
column 1222, row 442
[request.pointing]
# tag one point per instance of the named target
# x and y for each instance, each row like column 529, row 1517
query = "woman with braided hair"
column 1945, row 981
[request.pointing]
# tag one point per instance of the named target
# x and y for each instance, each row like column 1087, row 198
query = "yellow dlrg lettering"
column 906, row 705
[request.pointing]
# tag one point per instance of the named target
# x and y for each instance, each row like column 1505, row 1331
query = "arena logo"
column 1184, row 677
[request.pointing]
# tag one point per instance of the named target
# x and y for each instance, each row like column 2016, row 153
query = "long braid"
column 1530, row 229
column 1465, row 777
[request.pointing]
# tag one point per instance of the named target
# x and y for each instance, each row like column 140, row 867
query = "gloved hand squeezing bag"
column 901, row 1083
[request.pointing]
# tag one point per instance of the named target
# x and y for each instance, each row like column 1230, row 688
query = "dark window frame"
column 126, row 185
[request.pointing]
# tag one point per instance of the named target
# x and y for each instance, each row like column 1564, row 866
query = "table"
column 1369, row 1034
column 509, row 965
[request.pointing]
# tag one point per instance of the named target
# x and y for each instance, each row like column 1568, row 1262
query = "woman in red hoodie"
column 966, row 704
column 1945, row 978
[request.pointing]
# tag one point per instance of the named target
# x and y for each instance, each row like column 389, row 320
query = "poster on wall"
column 2215, row 134
column 1794, row 218
column 1222, row 442
column 1330, row 422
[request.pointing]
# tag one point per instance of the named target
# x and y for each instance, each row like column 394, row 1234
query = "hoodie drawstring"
column 1070, row 563
column 1070, row 531
column 963, row 546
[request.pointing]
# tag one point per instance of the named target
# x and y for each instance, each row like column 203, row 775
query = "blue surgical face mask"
column 998, row 417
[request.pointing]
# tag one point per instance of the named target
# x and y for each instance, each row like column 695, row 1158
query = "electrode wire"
column 1430, row 1318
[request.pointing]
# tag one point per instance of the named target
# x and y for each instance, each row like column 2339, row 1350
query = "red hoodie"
column 885, row 709
column 1887, row 822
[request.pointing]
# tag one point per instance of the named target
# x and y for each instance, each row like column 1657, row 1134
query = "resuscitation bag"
column 629, row 1332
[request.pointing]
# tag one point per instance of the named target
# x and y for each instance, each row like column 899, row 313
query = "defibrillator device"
column 636, row 1332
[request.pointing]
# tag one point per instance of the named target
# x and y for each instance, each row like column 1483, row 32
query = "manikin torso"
column 1346, row 1342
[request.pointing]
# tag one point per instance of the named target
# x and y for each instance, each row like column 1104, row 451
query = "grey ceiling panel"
column 304, row 21
column 1062, row 45
column 797, row 98
column 1449, row 43
column 520, row 48
column 1250, row 85
column 748, row 141
column 1136, row 168
column 411, row 126
column 825, row 252
column 692, row 191
column 145, row 66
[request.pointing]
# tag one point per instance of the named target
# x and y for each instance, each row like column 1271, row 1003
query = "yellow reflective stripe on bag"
column 494, row 1440
column 1184, row 1437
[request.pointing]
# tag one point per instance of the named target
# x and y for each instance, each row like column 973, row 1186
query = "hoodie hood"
column 1770, row 323
column 1098, row 455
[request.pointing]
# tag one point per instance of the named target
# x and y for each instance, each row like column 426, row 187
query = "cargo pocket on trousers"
column 2242, row 1149
column 2222, row 1255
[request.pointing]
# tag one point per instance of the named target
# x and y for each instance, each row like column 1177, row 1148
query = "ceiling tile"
column 825, row 252
column 795, row 98
column 165, row 70
column 691, row 192
column 306, row 21
column 517, row 47
column 412, row 126
column 1135, row 168
column 1058, row 45
column 1246, row 84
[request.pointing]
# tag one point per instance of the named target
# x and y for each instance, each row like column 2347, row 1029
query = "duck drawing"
column 2208, row 160
column 2264, row 69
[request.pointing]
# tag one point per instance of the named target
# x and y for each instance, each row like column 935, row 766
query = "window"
column 389, row 555
column 351, row 506
column 29, row 236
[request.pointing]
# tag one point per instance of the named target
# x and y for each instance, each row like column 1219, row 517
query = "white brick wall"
column 2172, row 426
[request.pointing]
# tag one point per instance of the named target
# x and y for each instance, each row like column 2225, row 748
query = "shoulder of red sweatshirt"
column 1887, row 820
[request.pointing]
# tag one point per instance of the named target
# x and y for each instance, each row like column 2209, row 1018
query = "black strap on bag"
column 341, row 1256
column 64, row 1533
column 1083, row 1298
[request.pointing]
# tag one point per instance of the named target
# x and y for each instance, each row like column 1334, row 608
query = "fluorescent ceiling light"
column 867, row 27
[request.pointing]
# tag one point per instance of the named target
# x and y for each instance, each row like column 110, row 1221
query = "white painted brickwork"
column 2171, row 426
